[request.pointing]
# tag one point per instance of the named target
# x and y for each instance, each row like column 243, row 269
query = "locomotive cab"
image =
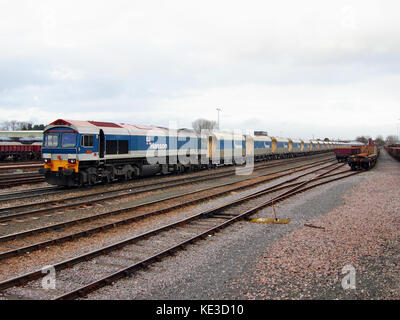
column 63, row 150
column 59, row 151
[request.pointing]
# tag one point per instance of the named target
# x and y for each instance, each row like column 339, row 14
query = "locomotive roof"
column 110, row 127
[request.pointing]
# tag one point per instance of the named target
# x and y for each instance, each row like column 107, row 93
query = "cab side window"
column 111, row 147
column 123, row 147
column 87, row 141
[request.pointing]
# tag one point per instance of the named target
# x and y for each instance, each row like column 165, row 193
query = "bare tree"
column 5, row 125
column 379, row 140
column 363, row 139
column 391, row 139
column 14, row 125
column 11, row 125
column 26, row 126
column 203, row 124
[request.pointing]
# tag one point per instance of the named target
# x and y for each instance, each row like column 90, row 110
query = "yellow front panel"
column 56, row 164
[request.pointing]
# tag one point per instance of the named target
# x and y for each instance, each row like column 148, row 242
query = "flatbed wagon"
column 366, row 159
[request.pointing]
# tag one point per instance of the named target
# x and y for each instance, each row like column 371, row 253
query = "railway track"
column 136, row 216
column 45, row 207
column 9, row 180
column 125, row 257
column 20, row 163
column 18, row 170
column 25, row 194
column 53, row 240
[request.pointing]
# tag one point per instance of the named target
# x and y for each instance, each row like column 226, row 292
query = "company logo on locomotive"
column 159, row 146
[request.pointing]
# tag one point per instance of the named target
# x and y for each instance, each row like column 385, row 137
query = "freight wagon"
column 16, row 151
column 394, row 151
column 342, row 152
column 366, row 159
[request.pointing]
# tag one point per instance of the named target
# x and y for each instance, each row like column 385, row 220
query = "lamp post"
column 398, row 133
column 218, row 109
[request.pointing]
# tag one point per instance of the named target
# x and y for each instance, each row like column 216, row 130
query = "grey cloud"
column 184, row 60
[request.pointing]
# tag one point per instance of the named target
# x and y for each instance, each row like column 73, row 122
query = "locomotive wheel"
column 107, row 179
column 91, row 179
column 129, row 175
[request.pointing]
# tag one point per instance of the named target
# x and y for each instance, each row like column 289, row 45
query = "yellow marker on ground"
column 271, row 220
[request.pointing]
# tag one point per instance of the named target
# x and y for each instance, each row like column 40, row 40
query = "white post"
column 398, row 133
column 218, row 109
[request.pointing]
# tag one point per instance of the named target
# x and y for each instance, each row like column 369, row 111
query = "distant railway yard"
column 233, row 216
column 324, row 230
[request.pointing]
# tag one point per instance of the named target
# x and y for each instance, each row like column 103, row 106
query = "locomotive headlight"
column 47, row 160
column 73, row 161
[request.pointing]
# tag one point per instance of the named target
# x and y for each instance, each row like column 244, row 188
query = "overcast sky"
column 292, row 68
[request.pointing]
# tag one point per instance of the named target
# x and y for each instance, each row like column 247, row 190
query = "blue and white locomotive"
column 89, row 152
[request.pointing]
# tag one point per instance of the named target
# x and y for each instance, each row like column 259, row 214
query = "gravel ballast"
column 360, row 217
column 52, row 254
column 352, row 222
column 363, row 234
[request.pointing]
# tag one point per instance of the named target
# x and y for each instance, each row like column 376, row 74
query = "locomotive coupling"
column 44, row 170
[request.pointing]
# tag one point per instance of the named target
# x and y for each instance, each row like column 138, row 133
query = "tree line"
column 15, row 125
column 391, row 139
